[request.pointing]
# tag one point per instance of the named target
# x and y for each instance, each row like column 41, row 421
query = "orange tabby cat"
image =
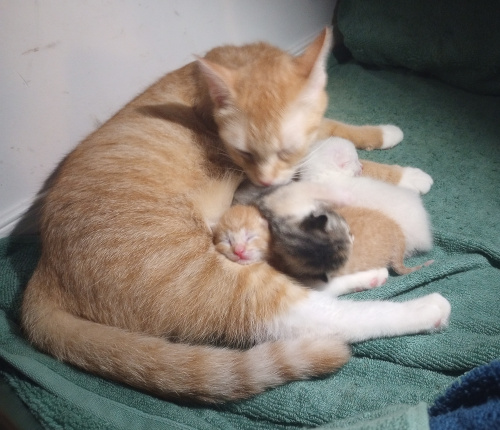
column 129, row 284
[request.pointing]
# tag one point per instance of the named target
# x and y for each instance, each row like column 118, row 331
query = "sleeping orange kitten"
column 242, row 235
column 130, row 286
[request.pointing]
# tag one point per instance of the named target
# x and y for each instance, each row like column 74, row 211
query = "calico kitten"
column 129, row 285
column 307, row 237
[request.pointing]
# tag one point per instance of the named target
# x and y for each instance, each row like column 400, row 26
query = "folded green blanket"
column 389, row 383
column 456, row 40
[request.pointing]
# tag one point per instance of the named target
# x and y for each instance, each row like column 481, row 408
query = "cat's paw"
column 373, row 279
column 356, row 282
column 435, row 311
column 416, row 179
column 391, row 135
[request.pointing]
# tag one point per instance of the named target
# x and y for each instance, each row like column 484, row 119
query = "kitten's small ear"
column 324, row 278
column 219, row 81
column 312, row 63
column 315, row 222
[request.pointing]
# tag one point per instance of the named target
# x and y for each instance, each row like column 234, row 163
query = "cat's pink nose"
column 239, row 250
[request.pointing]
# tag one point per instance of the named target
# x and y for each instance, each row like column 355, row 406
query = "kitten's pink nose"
column 265, row 183
column 239, row 250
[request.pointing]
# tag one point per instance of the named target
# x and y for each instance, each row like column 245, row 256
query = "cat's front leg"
column 357, row 321
column 363, row 137
column 361, row 321
column 301, row 198
column 354, row 282
column 412, row 178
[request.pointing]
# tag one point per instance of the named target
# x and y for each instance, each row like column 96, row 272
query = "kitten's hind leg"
column 363, row 137
column 354, row 282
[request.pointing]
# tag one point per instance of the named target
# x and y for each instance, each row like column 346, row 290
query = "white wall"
column 65, row 67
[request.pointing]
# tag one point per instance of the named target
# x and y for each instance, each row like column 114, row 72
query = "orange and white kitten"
column 129, row 284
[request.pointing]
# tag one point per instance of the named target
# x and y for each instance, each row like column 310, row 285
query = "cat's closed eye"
column 248, row 156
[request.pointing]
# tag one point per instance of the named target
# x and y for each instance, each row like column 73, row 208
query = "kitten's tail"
column 173, row 370
column 400, row 268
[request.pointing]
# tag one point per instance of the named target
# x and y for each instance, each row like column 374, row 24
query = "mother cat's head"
column 268, row 105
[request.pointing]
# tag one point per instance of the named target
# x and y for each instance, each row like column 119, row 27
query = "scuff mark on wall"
column 41, row 48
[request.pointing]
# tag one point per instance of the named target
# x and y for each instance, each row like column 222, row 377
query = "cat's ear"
column 315, row 222
column 219, row 81
column 312, row 63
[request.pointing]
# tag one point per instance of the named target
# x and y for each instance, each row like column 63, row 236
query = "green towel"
column 456, row 40
column 388, row 384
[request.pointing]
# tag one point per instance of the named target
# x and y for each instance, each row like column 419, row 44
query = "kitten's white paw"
column 391, row 135
column 435, row 311
column 416, row 180
column 356, row 282
column 373, row 279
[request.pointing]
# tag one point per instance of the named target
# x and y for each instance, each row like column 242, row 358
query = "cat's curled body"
column 129, row 284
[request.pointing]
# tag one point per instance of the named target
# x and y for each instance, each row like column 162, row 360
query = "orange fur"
column 363, row 137
column 242, row 235
column 378, row 242
column 388, row 173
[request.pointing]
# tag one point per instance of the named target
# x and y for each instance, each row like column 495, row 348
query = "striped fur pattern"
column 130, row 286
